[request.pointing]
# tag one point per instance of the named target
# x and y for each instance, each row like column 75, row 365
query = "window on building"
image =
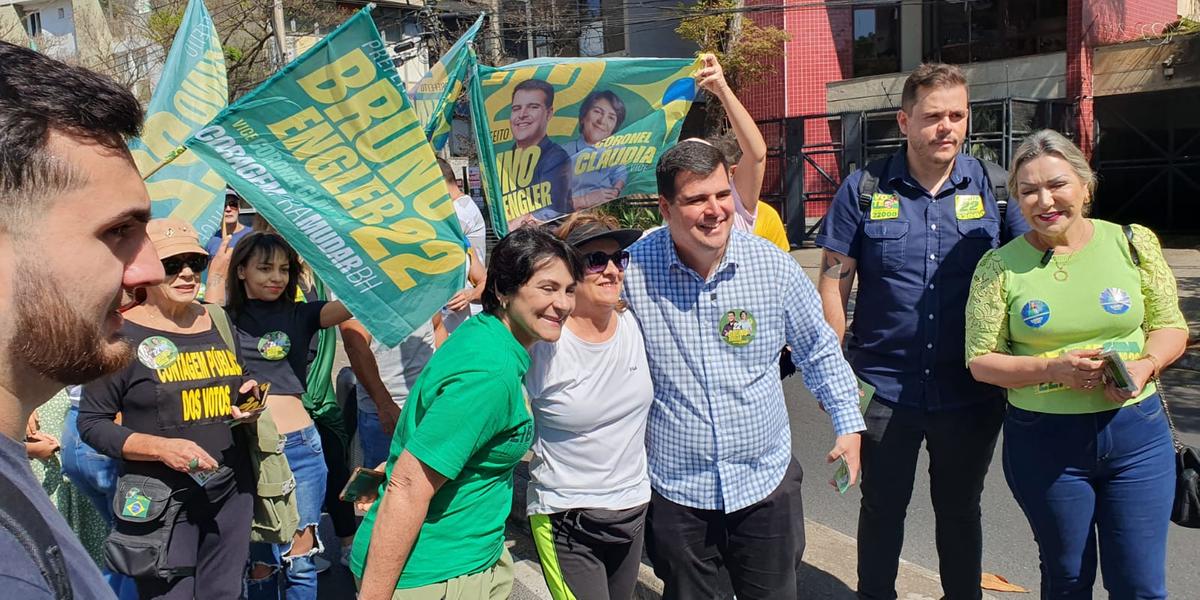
column 877, row 39
column 62, row 13
column 33, row 24
column 966, row 31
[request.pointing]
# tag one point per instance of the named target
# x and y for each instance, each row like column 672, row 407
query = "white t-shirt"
column 471, row 221
column 399, row 367
column 590, row 403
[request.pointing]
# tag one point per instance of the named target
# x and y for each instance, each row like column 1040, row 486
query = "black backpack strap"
column 998, row 178
column 1133, row 253
column 19, row 516
column 869, row 184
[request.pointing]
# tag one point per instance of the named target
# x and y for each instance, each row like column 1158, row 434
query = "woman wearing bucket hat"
column 590, row 393
column 183, row 504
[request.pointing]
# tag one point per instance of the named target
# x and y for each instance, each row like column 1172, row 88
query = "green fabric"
column 466, row 419
column 276, row 513
column 74, row 506
column 1017, row 307
column 320, row 397
column 542, row 531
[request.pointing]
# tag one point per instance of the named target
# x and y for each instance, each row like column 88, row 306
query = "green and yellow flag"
column 435, row 94
column 331, row 153
column 191, row 91
column 558, row 135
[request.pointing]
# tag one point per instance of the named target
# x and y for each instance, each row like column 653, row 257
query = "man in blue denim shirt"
column 914, row 247
column 715, row 307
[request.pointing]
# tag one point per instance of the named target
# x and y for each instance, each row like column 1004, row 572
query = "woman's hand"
column 184, row 456
column 1140, row 371
column 1077, row 369
column 461, row 299
column 711, row 77
column 249, row 389
column 41, row 445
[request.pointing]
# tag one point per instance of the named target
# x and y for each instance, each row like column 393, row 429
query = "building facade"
column 1088, row 68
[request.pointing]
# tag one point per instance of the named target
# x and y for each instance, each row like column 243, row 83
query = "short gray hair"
column 1050, row 142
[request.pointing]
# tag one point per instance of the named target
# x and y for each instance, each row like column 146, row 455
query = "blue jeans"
column 375, row 442
column 95, row 476
column 304, row 453
column 1101, row 480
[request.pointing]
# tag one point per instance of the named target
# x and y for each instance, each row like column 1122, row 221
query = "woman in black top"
column 274, row 332
column 177, row 402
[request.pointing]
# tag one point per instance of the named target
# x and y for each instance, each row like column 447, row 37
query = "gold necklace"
column 1060, row 269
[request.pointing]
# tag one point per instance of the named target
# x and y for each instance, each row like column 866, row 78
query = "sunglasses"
column 597, row 262
column 174, row 264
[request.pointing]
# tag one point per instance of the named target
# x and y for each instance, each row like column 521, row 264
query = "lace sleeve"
column 1158, row 284
column 987, row 309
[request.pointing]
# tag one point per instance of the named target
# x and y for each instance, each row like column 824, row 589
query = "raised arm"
column 748, row 177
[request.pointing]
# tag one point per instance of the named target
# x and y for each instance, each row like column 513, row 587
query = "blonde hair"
column 1049, row 142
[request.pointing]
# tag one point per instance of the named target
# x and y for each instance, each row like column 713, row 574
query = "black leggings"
column 341, row 513
column 211, row 533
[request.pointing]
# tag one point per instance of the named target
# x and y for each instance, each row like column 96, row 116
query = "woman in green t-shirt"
column 1091, row 464
column 464, row 427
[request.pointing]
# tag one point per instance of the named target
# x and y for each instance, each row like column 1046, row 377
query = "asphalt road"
column 1009, row 549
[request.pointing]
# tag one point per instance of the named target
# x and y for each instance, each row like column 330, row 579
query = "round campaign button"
column 1035, row 313
column 274, row 345
column 1115, row 301
column 157, row 352
column 737, row 327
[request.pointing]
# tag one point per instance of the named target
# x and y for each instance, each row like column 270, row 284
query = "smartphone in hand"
column 1116, row 372
column 256, row 399
column 363, row 484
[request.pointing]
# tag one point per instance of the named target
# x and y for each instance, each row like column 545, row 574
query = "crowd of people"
column 176, row 397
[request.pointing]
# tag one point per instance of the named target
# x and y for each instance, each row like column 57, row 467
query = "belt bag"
column 145, row 509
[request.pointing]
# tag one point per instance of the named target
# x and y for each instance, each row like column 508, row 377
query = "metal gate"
column 807, row 157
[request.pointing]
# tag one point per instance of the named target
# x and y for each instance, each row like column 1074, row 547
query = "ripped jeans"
column 299, row 579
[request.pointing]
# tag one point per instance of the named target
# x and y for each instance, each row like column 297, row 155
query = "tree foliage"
column 744, row 48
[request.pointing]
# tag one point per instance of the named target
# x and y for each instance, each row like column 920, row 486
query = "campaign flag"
column 435, row 94
column 191, row 91
column 557, row 135
column 331, row 153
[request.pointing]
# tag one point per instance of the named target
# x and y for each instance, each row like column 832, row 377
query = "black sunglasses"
column 174, row 264
column 597, row 262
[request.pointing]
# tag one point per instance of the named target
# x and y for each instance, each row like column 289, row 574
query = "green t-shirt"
column 466, row 418
column 1017, row 306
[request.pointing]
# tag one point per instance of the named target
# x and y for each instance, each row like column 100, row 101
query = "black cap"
column 598, row 231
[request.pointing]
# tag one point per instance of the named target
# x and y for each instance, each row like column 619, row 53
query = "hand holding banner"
column 560, row 135
column 331, row 153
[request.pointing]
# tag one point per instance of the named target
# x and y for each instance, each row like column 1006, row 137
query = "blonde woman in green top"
column 1090, row 464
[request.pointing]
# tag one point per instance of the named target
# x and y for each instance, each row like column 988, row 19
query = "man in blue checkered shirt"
column 715, row 307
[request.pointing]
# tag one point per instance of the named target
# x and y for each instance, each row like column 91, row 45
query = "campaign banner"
column 191, row 91
column 331, row 153
column 434, row 95
column 556, row 135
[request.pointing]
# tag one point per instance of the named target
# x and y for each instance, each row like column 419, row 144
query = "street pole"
column 280, row 39
column 529, row 26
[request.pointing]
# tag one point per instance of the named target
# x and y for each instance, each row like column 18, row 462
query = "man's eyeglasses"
column 597, row 262
column 174, row 264
column 231, row 203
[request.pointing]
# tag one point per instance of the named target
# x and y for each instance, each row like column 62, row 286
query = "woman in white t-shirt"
column 590, row 393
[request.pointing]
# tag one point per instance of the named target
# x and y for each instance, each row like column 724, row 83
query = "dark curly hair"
column 38, row 95
column 518, row 256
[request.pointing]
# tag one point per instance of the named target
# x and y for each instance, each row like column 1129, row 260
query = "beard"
column 52, row 338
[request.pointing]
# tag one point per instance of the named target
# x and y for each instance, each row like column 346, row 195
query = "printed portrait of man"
column 536, row 171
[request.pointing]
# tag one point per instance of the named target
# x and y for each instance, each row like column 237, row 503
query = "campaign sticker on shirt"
column 1035, row 313
column 1115, row 301
column 157, row 352
column 737, row 327
column 274, row 345
column 884, row 206
column 968, row 206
